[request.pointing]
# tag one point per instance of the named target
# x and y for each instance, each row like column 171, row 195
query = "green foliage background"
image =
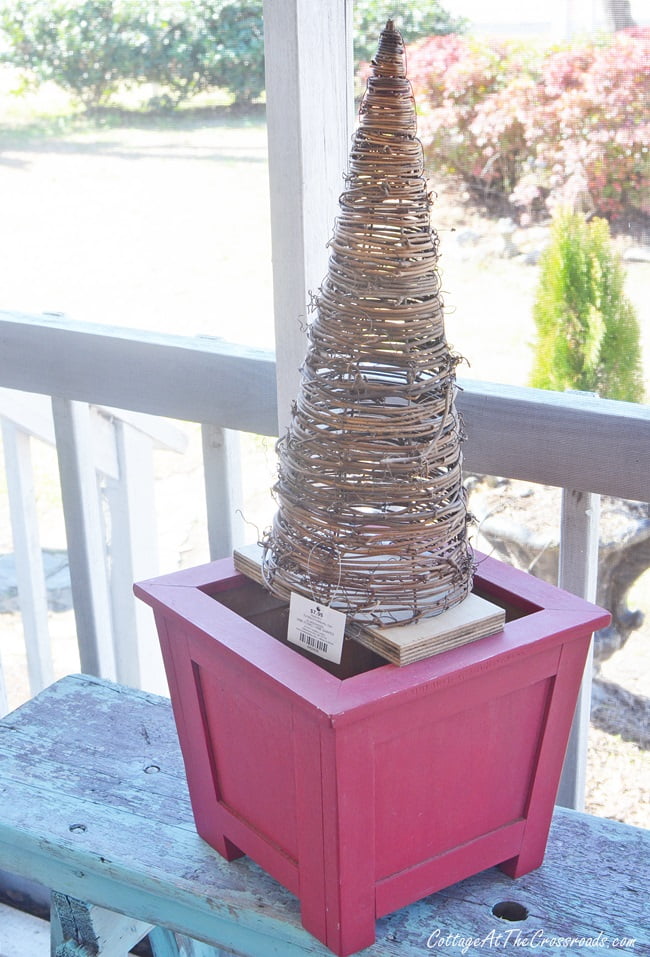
column 92, row 47
column 588, row 335
column 414, row 20
column 533, row 125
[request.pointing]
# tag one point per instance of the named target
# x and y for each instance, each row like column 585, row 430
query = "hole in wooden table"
column 510, row 910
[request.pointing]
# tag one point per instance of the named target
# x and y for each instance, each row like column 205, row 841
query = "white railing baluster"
column 133, row 550
column 578, row 573
column 223, row 489
column 85, row 536
column 30, row 577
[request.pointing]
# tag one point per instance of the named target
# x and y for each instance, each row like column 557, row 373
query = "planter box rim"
column 334, row 698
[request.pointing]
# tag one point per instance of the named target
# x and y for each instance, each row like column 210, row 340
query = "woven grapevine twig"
column 372, row 512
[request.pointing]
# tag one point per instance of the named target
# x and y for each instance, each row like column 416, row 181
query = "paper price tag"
column 316, row 627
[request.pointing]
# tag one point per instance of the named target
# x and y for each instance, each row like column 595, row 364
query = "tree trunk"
column 618, row 14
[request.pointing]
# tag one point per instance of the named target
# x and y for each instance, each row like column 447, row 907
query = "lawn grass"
column 160, row 220
column 152, row 221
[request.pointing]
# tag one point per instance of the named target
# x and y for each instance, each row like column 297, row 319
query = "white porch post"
column 308, row 53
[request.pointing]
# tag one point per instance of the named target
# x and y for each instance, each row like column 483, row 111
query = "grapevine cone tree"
column 372, row 512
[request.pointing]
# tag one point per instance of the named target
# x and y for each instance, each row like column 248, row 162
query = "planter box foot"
column 226, row 848
column 524, row 863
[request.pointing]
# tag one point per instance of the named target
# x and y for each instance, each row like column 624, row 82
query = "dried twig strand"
column 371, row 509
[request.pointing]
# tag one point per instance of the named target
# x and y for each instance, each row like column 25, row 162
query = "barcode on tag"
column 316, row 627
column 314, row 643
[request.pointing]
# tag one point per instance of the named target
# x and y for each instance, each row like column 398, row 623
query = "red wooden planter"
column 366, row 790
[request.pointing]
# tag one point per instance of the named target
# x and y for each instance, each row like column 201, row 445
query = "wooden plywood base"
column 472, row 619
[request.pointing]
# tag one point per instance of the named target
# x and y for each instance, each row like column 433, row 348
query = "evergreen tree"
column 588, row 335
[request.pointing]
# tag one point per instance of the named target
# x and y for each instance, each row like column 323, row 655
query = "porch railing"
column 584, row 445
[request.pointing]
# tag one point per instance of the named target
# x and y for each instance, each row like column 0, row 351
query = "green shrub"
column 178, row 53
column 88, row 47
column 424, row 19
column 91, row 47
column 455, row 79
column 240, row 50
column 539, row 127
column 194, row 46
column 588, row 335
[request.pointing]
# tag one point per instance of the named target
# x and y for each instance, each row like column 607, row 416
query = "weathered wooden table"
column 94, row 804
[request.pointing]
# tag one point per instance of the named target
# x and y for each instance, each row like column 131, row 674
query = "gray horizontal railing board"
column 557, row 438
column 564, row 439
column 195, row 379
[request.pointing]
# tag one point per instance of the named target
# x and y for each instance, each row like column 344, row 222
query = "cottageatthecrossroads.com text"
column 536, row 941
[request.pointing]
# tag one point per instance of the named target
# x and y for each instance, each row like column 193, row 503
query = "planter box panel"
column 256, row 782
column 410, row 885
column 222, row 826
column 452, row 765
column 436, row 697
column 557, row 726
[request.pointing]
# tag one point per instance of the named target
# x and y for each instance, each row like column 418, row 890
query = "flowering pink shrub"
column 565, row 126
column 452, row 77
